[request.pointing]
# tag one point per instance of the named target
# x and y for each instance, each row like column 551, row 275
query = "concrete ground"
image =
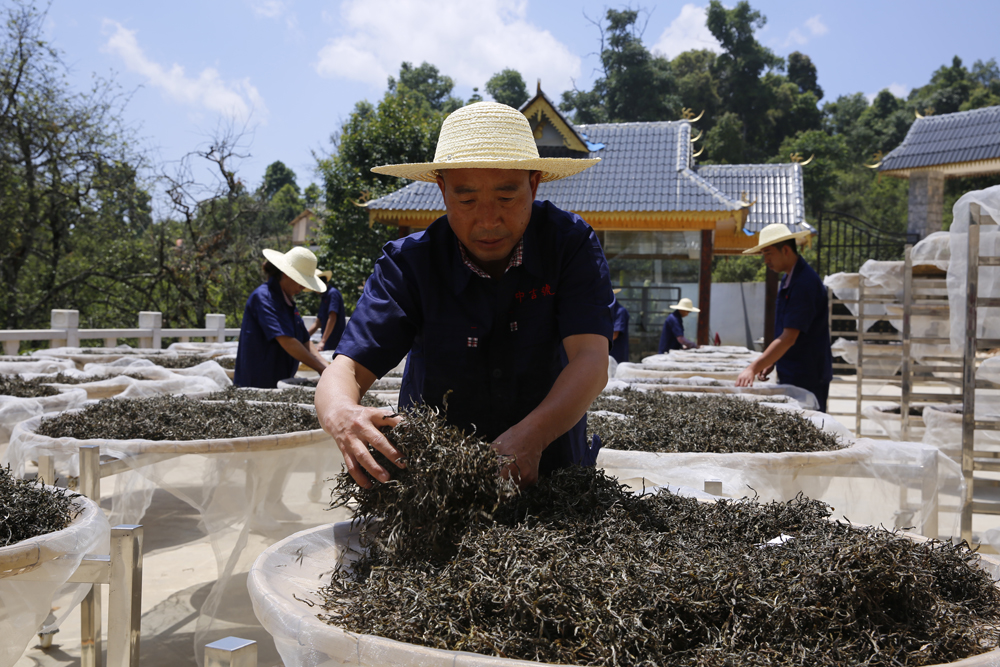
column 179, row 569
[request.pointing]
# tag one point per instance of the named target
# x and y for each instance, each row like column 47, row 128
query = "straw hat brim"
column 690, row 310
column 785, row 237
column 279, row 260
column 552, row 168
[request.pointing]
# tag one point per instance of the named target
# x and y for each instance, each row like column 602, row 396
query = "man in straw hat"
column 672, row 336
column 503, row 306
column 273, row 337
column 801, row 349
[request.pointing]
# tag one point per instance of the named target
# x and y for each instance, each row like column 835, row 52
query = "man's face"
column 489, row 209
column 778, row 261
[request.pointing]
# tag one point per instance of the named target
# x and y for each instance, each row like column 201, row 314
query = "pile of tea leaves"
column 15, row 385
column 228, row 363
column 664, row 422
column 181, row 361
column 29, row 509
column 576, row 570
column 292, row 395
column 177, row 418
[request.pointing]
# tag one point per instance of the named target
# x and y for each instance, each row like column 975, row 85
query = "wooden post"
column 770, row 303
column 705, row 287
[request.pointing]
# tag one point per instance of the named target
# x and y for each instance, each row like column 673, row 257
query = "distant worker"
column 330, row 320
column 619, row 345
column 801, row 348
column 273, row 337
column 672, row 336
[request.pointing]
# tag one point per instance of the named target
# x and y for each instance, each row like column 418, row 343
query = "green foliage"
column 820, row 177
column 429, row 84
column 276, row 177
column 738, row 269
column 402, row 127
column 725, row 143
column 635, row 86
column 73, row 211
column 507, row 87
column 802, row 73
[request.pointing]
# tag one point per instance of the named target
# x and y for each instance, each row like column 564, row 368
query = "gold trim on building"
column 952, row 169
column 540, row 107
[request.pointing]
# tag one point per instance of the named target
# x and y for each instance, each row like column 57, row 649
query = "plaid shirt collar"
column 515, row 259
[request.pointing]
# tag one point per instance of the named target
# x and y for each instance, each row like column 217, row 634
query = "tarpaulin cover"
column 988, row 319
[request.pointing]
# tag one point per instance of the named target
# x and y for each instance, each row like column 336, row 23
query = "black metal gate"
column 846, row 242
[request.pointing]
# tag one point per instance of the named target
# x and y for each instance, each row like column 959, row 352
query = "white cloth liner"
column 151, row 380
column 697, row 385
column 988, row 319
column 892, row 422
column 25, row 364
column 235, row 484
column 14, row 410
column 51, row 559
column 293, row 569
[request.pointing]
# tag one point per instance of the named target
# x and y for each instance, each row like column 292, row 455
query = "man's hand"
column 352, row 426
column 763, row 375
column 527, row 453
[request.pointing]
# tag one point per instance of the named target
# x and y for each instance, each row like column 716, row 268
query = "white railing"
column 65, row 331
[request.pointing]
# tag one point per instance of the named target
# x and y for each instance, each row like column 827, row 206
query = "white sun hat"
column 775, row 233
column 299, row 264
column 325, row 275
column 487, row 135
column 685, row 304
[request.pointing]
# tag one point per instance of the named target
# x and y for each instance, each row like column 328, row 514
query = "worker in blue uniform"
column 273, row 337
column 801, row 348
column 619, row 340
column 672, row 336
column 330, row 319
column 502, row 308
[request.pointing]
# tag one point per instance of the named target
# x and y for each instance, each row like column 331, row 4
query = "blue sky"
column 289, row 71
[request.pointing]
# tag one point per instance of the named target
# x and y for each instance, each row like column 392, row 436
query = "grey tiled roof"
column 644, row 167
column 775, row 189
column 966, row 136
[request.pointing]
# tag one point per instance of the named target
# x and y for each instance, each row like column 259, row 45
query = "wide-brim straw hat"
column 775, row 233
column 487, row 135
column 685, row 304
column 325, row 275
column 299, row 264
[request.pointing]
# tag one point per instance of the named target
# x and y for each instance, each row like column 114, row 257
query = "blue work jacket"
column 260, row 359
column 331, row 303
column 619, row 346
column 489, row 348
column 673, row 331
column 802, row 305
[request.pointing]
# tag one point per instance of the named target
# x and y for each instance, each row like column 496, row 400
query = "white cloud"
column 687, row 31
column 813, row 26
column 269, row 9
column 469, row 42
column 235, row 100
column 816, row 26
column 796, row 37
column 897, row 89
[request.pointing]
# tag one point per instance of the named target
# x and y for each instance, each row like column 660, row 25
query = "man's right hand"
column 353, row 428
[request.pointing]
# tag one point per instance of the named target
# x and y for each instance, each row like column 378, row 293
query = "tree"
column 635, row 86
column 802, row 73
column 276, row 177
column 697, row 86
column 507, row 87
column 740, row 66
column 402, row 127
column 428, row 83
column 73, row 210
column 725, row 143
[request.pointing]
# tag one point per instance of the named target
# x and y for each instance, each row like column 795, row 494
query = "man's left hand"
column 527, row 454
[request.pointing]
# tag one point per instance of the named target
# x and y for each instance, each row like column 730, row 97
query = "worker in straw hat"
column 330, row 320
column 273, row 337
column 619, row 336
column 503, row 306
column 672, row 336
column 801, row 348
